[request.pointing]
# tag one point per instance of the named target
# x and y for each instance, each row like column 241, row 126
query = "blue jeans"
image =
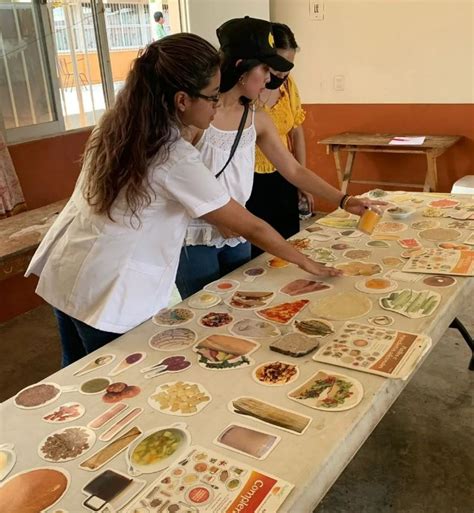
column 79, row 339
column 199, row 265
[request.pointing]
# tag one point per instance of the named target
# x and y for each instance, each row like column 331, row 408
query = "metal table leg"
column 457, row 324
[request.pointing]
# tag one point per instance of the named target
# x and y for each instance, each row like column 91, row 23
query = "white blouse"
column 237, row 179
column 116, row 275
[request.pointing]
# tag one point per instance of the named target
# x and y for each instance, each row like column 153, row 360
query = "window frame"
column 57, row 126
column 47, row 37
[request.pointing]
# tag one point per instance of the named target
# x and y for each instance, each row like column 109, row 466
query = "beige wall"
column 206, row 15
column 388, row 51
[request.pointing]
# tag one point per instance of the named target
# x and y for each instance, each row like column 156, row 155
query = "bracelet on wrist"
column 344, row 201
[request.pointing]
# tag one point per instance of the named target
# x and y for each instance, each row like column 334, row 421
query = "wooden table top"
column 380, row 140
column 23, row 233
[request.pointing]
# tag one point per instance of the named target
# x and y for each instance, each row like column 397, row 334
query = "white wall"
column 388, row 51
column 204, row 16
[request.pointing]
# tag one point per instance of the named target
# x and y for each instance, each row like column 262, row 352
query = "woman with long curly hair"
column 109, row 261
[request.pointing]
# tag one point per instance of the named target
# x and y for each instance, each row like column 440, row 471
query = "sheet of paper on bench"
column 408, row 141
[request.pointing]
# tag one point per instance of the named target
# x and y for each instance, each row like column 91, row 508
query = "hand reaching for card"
column 318, row 269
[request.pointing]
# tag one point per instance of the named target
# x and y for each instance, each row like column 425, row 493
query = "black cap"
column 251, row 38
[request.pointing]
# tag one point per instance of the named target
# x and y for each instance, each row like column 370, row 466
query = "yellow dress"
column 287, row 114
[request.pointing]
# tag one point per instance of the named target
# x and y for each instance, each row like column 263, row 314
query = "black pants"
column 275, row 200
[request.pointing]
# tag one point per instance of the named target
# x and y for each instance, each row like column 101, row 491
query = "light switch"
column 339, row 82
column 316, row 10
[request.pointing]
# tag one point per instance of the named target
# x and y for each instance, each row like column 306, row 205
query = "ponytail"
column 142, row 124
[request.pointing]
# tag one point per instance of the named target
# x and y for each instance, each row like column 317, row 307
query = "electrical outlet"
column 339, row 82
column 316, row 10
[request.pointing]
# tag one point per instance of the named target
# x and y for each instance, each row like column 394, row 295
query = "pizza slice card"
column 410, row 243
column 284, row 312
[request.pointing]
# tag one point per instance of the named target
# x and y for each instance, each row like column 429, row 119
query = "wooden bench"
column 21, row 234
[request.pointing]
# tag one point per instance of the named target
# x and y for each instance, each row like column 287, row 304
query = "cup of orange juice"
column 368, row 221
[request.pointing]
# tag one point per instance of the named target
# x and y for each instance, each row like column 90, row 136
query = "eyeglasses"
column 214, row 98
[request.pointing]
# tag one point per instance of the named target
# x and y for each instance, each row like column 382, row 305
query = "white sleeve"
column 192, row 184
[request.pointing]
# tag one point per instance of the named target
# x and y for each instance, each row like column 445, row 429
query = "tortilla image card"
column 440, row 234
column 342, row 306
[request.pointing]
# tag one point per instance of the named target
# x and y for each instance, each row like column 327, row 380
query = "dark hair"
column 284, row 37
column 157, row 15
column 141, row 125
column 231, row 71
